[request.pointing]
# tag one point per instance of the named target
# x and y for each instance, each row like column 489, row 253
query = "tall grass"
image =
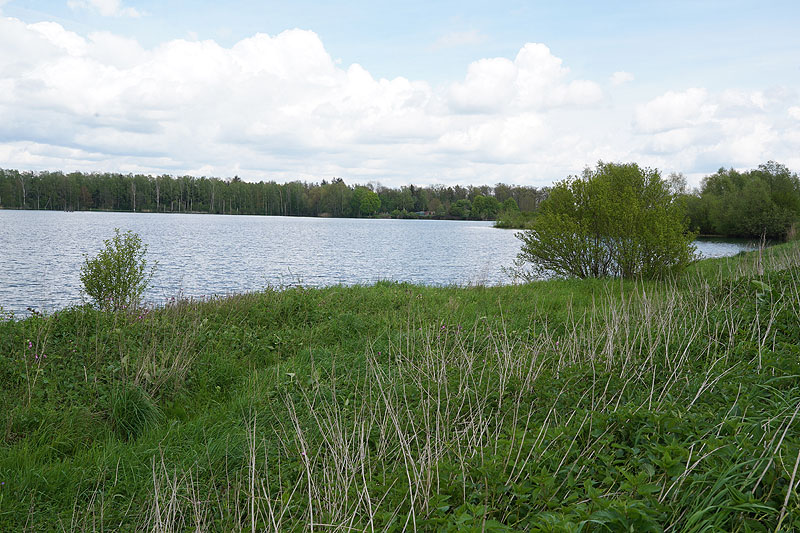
column 554, row 406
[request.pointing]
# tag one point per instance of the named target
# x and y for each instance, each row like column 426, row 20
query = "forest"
column 762, row 202
column 78, row 191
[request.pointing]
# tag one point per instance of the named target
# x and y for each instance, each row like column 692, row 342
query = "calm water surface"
column 41, row 253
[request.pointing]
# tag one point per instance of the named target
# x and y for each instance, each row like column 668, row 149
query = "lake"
column 41, row 253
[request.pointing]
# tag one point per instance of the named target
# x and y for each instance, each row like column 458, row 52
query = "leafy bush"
column 118, row 276
column 618, row 220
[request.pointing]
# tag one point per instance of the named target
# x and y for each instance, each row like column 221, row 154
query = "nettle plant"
column 117, row 276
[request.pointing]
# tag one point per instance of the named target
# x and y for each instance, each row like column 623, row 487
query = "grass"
column 553, row 406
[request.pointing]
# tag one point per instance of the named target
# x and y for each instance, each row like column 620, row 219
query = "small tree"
column 370, row 203
column 460, row 209
column 118, row 276
column 509, row 206
column 485, row 207
column 617, row 220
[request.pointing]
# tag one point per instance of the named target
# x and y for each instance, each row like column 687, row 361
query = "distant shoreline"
column 383, row 216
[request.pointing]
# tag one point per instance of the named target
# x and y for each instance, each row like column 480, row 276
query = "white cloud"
column 794, row 112
column 280, row 107
column 488, row 87
column 620, row 77
column 706, row 130
column 535, row 79
column 106, row 8
column 674, row 110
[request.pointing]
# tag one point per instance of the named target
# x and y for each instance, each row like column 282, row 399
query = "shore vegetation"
column 565, row 405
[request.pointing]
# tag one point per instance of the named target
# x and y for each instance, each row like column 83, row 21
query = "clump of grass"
column 132, row 411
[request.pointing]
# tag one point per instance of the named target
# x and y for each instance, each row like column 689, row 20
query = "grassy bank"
column 554, row 406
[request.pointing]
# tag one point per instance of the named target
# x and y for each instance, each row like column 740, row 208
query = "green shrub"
column 619, row 220
column 118, row 276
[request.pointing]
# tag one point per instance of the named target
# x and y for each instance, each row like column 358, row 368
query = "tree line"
column 79, row 191
column 760, row 202
column 763, row 202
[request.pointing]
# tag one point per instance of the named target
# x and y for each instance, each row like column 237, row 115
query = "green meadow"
column 555, row 406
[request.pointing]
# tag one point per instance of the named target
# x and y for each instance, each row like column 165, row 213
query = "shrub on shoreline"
column 618, row 220
column 117, row 276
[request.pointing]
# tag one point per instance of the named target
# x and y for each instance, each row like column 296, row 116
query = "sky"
column 448, row 92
